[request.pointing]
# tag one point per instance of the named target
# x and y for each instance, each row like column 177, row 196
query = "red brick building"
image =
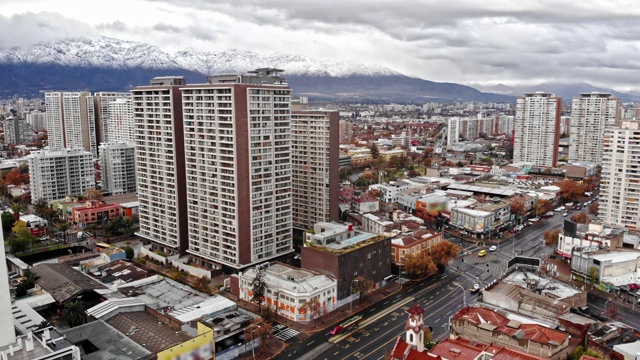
column 95, row 211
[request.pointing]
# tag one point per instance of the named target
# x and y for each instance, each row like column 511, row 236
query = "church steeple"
column 415, row 327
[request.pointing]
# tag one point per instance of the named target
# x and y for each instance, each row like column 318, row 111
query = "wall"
column 180, row 264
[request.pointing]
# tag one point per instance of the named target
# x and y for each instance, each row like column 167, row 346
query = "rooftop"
column 500, row 191
column 160, row 292
column 495, row 322
column 110, row 343
column 551, row 288
column 291, row 279
column 144, row 329
column 62, row 281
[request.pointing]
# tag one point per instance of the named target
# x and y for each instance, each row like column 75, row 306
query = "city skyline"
column 495, row 42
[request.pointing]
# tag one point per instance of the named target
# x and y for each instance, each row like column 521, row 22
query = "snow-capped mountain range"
column 114, row 53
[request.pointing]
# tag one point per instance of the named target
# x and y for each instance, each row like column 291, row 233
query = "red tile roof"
column 532, row 332
column 460, row 350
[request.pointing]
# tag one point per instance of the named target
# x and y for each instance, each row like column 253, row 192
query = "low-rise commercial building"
column 288, row 289
column 405, row 246
column 95, row 211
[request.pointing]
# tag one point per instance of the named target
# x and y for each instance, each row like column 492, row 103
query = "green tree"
column 41, row 207
column 374, row 150
column 580, row 350
column 129, row 253
column 16, row 209
column 74, row 313
column 592, row 273
column 258, row 287
column 21, row 237
column 7, row 221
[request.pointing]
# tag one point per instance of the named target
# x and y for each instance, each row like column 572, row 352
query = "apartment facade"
column 160, row 165
column 118, row 165
column 315, row 167
column 105, row 122
column 17, row 131
column 620, row 177
column 237, row 131
column 591, row 113
column 71, row 121
column 56, row 174
column 537, row 129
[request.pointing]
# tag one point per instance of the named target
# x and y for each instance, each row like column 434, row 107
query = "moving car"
column 351, row 323
column 493, row 248
column 482, row 253
column 565, row 214
column 475, row 288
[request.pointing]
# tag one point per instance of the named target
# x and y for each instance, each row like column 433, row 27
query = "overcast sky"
column 464, row 41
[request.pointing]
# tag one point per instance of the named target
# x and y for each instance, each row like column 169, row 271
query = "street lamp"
column 253, row 348
column 351, row 302
column 464, row 303
column 605, row 306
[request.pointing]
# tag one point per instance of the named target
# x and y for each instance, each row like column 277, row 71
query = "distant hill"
column 106, row 64
column 565, row 90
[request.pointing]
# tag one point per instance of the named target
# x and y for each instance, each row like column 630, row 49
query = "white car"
column 565, row 214
column 493, row 248
column 475, row 288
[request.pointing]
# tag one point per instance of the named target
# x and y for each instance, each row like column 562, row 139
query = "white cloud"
column 483, row 42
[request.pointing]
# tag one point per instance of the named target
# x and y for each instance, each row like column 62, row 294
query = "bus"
column 353, row 322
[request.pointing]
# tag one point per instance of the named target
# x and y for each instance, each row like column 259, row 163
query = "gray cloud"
column 490, row 41
column 31, row 28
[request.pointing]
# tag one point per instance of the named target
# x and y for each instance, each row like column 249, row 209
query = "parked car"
column 565, row 214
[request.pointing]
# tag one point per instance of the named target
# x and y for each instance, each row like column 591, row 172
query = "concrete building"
column 71, row 121
column 120, row 125
column 537, row 128
column 345, row 132
column 37, row 120
column 615, row 267
column 289, row 288
column 122, row 112
column 160, row 164
column 118, row 166
column 237, row 132
column 95, row 211
column 315, row 168
column 590, row 114
column 56, row 174
column 453, row 131
column 388, row 155
column 6, row 315
column 389, row 192
column 17, row 131
column 589, row 236
column 483, row 219
column 620, row 179
column 346, row 255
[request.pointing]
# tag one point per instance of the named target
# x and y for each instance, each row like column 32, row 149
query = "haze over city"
column 469, row 42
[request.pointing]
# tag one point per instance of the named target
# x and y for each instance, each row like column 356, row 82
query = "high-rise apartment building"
column 237, row 131
column 102, row 103
column 315, row 167
column 37, row 120
column 160, row 164
column 17, row 131
column 620, row 179
column 118, row 166
column 71, row 121
column 6, row 313
column 346, row 132
column 591, row 113
column 453, row 131
column 120, row 125
column 537, row 129
column 58, row 173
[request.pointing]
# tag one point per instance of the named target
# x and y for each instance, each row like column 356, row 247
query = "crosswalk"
column 284, row 333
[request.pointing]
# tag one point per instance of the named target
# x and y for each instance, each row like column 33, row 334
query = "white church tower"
column 415, row 327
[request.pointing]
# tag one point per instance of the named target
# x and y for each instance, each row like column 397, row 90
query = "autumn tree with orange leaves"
column 581, row 218
column 570, row 190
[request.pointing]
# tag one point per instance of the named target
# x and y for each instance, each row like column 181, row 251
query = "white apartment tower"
column 37, row 120
column 315, row 167
column 591, row 113
column 120, row 126
column 453, row 131
column 160, row 170
column 71, row 121
column 102, row 101
column 118, row 166
column 6, row 313
column 237, row 131
column 58, row 173
column 17, row 131
column 537, row 129
column 620, row 182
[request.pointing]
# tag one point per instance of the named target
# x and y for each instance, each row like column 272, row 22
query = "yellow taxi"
column 482, row 253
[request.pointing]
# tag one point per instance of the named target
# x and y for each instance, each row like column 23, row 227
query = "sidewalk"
column 330, row 319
